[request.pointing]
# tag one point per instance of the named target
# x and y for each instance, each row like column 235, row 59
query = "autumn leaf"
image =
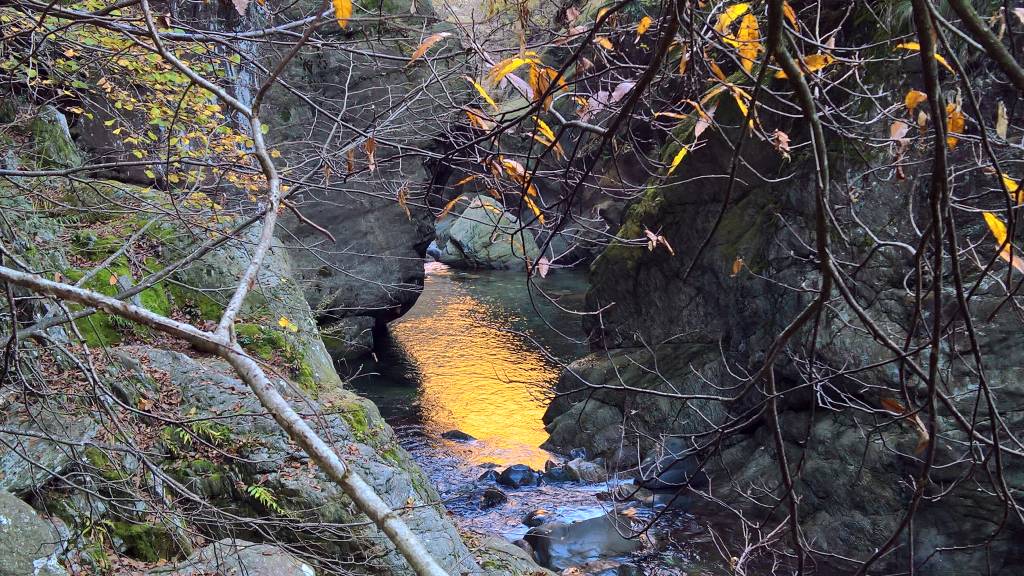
column 342, row 12
column 727, row 17
column 810, row 64
column 112, row 280
column 955, row 124
column 1002, row 122
column 403, row 200
column 483, row 93
column 737, row 266
column 541, row 78
column 448, row 207
column 643, row 25
column 479, row 119
column 371, row 153
column 534, row 208
column 653, row 240
column 677, row 159
column 604, row 42
column 507, row 66
column 780, row 140
column 1013, row 189
column 749, row 42
column 915, row 47
column 287, row 324
column 998, row 230
column 913, row 98
column 547, row 137
column 426, row 44
column 790, row 15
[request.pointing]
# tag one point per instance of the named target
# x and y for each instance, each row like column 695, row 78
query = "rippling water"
column 475, row 355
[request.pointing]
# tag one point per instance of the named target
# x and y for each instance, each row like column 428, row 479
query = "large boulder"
column 230, row 557
column 559, row 545
column 480, row 233
column 29, row 544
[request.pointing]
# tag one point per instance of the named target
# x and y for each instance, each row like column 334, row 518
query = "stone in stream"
column 457, row 435
column 538, row 517
column 671, row 468
column 518, row 475
column 602, row 568
column 489, row 476
column 586, row 471
column 559, row 545
column 492, row 497
column 557, row 472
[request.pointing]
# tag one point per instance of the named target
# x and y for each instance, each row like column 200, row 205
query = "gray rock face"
column 558, row 545
column 480, row 233
column 36, row 443
column 238, row 557
column 209, row 385
column 29, row 545
column 586, row 471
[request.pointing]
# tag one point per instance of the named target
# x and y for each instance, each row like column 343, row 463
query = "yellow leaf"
column 998, row 229
column 480, row 120
column 1013, row 188
column 604, row 42
column 533, row 207
column 426, row 44
column 749, row 41
column 955, row 123
column 483, row 93
column 913, row 98
column 811, row 63
column 506, row 67
column 915, row 47
column 541, row 78
column 448, row 207
column 342, row 12
column 678, row 158
column 790, row 15
column 643, row 25
column 716, row 70
column 730, row 15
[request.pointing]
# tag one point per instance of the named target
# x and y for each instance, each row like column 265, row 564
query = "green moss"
column 204, row 306
column 107, row 468
column 53, row 148
column 148, row 542
column 355, row 416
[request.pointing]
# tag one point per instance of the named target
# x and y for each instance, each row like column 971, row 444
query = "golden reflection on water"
column 478, row 378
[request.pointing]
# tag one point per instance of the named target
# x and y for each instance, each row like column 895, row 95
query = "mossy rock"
column 146, row 541
column 52, row 142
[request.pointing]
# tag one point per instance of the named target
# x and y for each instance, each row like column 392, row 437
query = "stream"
column 478, row 355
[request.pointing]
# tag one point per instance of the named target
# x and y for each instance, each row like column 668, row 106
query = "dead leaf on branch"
column 426, row 44
column 653, row 240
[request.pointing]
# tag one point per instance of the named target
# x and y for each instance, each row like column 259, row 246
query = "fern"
column 264, row 497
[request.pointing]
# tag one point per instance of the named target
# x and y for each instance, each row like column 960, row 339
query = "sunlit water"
column 478, row 354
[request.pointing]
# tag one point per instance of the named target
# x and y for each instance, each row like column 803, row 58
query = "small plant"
column 265, row 497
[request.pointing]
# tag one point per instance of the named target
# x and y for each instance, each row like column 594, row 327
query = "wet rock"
column 556, row 472
column 586, row 471
column 671, row 467
column 499, row 557
column 457, row 435
column 538, row 517
column 229, row 556
column 625, row 493
column 558, row 545
column 602, row 568
column 480, row 233
column 489, row 476
column 518, row 475
column 492, row 497
column 28, row 544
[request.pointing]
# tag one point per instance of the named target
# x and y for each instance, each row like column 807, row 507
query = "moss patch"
column 148, row 542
